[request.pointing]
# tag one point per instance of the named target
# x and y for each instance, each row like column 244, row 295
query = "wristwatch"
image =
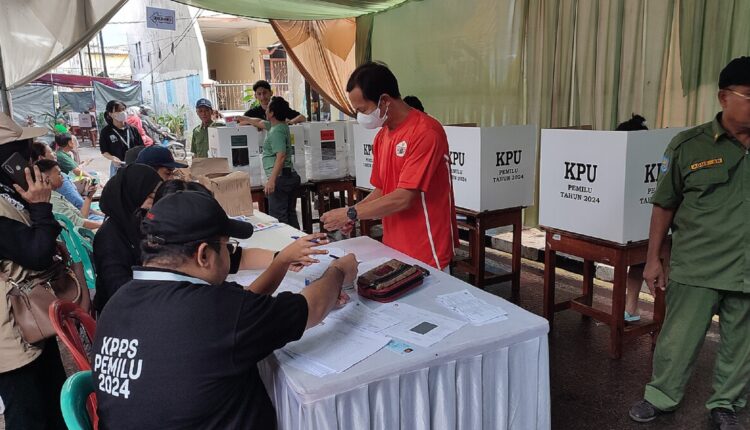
column 352, row 213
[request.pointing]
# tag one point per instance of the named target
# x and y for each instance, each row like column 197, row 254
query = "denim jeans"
column 69, row 191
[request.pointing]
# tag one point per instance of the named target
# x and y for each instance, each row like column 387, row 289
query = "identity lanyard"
column 127, row 133
column 153, row 275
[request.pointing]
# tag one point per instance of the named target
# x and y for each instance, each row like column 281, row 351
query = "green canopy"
column 295, row 9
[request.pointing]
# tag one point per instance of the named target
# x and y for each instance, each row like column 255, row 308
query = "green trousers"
column 689, row 313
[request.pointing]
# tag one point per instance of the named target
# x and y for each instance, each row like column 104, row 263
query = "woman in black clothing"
column 117, row 136
column 31, row 376
column 117, row 243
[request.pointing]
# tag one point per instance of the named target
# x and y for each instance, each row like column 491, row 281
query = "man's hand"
column 342, row 301
column 90, row 190
column 39, row 188
column 270, row 187
column 335, row 219
column 348, row 265
column 653, row 274
column 301, row 252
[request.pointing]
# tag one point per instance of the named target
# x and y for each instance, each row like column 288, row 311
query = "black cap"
column 737, row 72
column 204, row 103
column 189, row 216
column 158, row 156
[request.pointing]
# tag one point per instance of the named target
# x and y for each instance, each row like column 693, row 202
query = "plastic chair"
column 64, row 315
column 80, row 250
column 77, row 399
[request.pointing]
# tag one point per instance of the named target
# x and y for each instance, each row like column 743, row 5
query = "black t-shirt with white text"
column 172, row 352
column 117, row 141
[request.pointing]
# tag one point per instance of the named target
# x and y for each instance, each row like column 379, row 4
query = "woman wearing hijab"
column 117, row 243
column 31, row 376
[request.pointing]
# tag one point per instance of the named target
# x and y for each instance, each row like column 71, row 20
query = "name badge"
column 707, row 163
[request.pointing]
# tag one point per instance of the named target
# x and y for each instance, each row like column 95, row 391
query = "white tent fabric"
column 37, row 35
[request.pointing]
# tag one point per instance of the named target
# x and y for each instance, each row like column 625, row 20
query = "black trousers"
column 282, row 203
column 31, row 393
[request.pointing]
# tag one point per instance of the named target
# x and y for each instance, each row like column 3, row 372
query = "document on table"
column 470, row 308
column 244, row 277
column 336, row 345
column 361, row 317
column 301, row 363
column 315, row 271
column 418, row 326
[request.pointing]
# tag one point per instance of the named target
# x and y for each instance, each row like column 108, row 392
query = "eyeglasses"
column 231, row 244
column 744, row 96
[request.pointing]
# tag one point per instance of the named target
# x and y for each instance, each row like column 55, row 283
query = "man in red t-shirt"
column 411, row 172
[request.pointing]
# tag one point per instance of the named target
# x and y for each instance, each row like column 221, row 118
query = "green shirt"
column 66, row 162
column 61, row 129
column 199, row 142
column 705, row 176
column 277, row 140
column 61, row 206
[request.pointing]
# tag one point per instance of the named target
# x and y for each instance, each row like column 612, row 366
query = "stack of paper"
column 333, row 346
column 474, row 310
column 361, row 317
column 418, row 326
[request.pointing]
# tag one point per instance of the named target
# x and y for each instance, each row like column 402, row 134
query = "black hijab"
column 123, row 196
column 7, row 191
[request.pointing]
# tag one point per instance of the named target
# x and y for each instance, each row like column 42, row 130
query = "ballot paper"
column 418, row 326
column 361, row 317
column 474, row 310
column 336, row 345
column 301, row 363
column 244, row 277
column 315, row 271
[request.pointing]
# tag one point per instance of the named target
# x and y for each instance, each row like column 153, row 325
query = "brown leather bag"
column 30, row 299
column 390, row 281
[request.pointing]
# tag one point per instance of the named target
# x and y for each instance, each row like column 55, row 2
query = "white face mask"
column 119, row 116
column 372, row 120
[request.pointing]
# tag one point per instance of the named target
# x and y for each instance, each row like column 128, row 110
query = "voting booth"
column 362, row 140
column 492, row 168
column 600, row 183
column 325, row 150
column 351, row 168
column 297, row 134
column 241, row 145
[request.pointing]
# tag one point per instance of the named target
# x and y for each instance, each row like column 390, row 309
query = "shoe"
column 631, row 318
column 644, row 412
column 725, row 419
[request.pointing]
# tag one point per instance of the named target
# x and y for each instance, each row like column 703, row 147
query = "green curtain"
column 558, row 63
column 295, row 9
column 363, row 46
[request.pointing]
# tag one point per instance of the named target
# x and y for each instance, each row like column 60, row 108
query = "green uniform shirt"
column 199, row 142
column 277, row 140
column 705, row 175
column 61, row 206
column 66, row 162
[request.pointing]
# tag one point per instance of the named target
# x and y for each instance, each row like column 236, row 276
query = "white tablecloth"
column 490, row 377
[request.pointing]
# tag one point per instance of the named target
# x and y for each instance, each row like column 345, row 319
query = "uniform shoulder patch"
column 685, row 136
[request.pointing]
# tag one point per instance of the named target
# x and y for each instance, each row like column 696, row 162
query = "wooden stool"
column 596, row 250
column 366, row 225
column 477, row 223
column 321, row 188
column 259, row 197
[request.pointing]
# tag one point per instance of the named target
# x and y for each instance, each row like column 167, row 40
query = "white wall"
column 171, row 72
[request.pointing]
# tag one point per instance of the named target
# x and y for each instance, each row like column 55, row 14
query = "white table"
column 490, row 377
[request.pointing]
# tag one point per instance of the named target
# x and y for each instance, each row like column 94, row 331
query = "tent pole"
column 4, row 93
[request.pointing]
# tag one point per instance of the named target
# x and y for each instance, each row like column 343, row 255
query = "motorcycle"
column 170, row 141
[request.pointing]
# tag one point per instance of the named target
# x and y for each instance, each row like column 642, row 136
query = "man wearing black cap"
column 161, row 159
column 703, row 194
column 199, row 143
column 177, row 347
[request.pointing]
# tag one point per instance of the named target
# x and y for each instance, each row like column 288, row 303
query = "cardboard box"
column 362, row 140
column 325, row 150
column 492, row 167
column 231, row 189
column 599, row 183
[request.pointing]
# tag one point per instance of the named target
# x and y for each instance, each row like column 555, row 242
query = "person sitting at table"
column 301, row 253
column 160, row 159
column 52, row 173
column 64, row 145
column 178, row 346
